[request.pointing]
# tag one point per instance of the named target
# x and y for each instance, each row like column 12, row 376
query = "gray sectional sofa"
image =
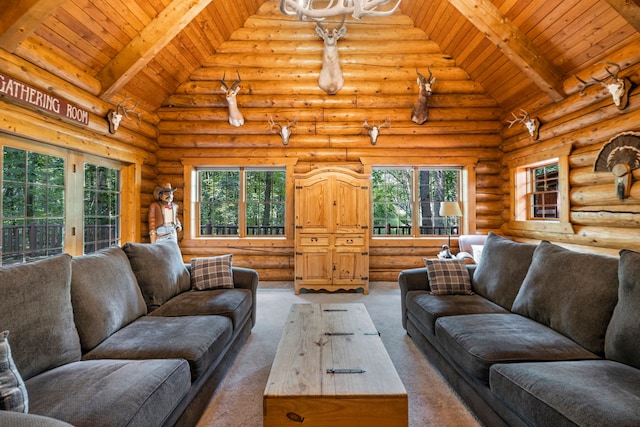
column 118, row 338
column 549, row 337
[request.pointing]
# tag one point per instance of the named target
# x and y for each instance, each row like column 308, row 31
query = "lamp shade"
column 450, row 209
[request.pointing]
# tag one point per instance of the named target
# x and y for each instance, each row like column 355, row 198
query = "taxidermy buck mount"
column 532, row 124
column 284, row 131
column 420, row 112
column 235, row 116
column 357, row 8
column 620, row 156
column 114, row 117
column 619, row 88
column 374, row 130
column 331, row 78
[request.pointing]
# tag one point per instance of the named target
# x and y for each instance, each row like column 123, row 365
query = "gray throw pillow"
column 159, row 269
column 501, row 270
column 13, row 393
column 622, row 342
column 448, row 277
column 574, row 293
column 211, row 273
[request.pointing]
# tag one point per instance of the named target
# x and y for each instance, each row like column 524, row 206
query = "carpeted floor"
column 238, row 400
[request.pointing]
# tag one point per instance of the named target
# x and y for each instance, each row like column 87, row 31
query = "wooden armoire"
column 332, row 226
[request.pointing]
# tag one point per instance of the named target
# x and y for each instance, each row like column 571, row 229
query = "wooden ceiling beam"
column 151, row 40
column 514, row 44
column 21, row 18
column 629, row 10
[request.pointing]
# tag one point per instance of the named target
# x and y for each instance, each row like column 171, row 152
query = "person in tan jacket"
column 163, row 215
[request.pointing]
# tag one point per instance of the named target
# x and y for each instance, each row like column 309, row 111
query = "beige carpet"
column 238, row 400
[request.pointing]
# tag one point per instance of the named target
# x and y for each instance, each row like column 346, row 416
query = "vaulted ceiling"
column 522, row 53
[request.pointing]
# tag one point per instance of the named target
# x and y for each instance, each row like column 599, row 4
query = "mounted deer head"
column 114, row 117
column 532, row 124
column 356, row 8
column 284, row 131
column 331, row 78
column 235, row 116
column 374, row 130
column 618, row 87
column 420, row 112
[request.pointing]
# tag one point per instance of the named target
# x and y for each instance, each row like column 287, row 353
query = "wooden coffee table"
column 331, row 369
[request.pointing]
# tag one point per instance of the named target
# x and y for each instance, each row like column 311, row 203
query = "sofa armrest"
column 414, row 279
column 246, row 278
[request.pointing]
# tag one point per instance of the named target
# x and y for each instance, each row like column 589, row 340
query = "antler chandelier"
column 307, row 9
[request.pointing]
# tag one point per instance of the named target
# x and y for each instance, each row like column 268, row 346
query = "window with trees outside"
column 241, row 201
column 406, row 200
column 35, row 192
column 33, row 210
column 101, row 207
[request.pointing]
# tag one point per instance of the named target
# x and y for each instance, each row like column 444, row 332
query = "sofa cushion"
column 622, row 342
column 476, row 341
column 200, row 340
column 584, row 393
column 211, row 272
column 571, row 292
column 424, row 309
column 236, row 304
column 35, row 305
column 502, row 268
column 105, row 295
column 111, row 393
column 20, row 419
column 160, row 271
column 448, row 277
column 13, row 394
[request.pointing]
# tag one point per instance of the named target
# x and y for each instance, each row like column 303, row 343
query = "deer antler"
column 525, row 117
column 272, row 124
column 237, row 82
column 357, row 8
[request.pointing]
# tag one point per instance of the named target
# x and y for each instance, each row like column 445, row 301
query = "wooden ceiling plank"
column 514, row 44
column 21, row 18
column 153, row 38
column 629, row 10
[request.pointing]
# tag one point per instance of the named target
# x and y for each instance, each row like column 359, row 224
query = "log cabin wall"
column 583, row 123
column 279, row 59
column 490, row 58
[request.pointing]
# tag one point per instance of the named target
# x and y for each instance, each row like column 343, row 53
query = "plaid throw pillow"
column 448, row 277
column 13, row 393
column 211, row 273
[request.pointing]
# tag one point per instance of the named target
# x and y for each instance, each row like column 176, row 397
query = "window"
column 543, row 197
column 32, row 205
column 241, row 201
column 101, row 207
column 540, row 195
column 406, row 200
column 51, row 205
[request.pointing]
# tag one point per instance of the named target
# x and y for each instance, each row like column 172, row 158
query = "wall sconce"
column 448, row 209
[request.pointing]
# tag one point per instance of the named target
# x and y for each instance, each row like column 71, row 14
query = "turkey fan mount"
column 620, row 155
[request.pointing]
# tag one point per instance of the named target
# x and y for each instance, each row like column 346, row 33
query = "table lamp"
column 448, row 209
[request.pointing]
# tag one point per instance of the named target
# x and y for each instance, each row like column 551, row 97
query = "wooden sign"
column 30, row 95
